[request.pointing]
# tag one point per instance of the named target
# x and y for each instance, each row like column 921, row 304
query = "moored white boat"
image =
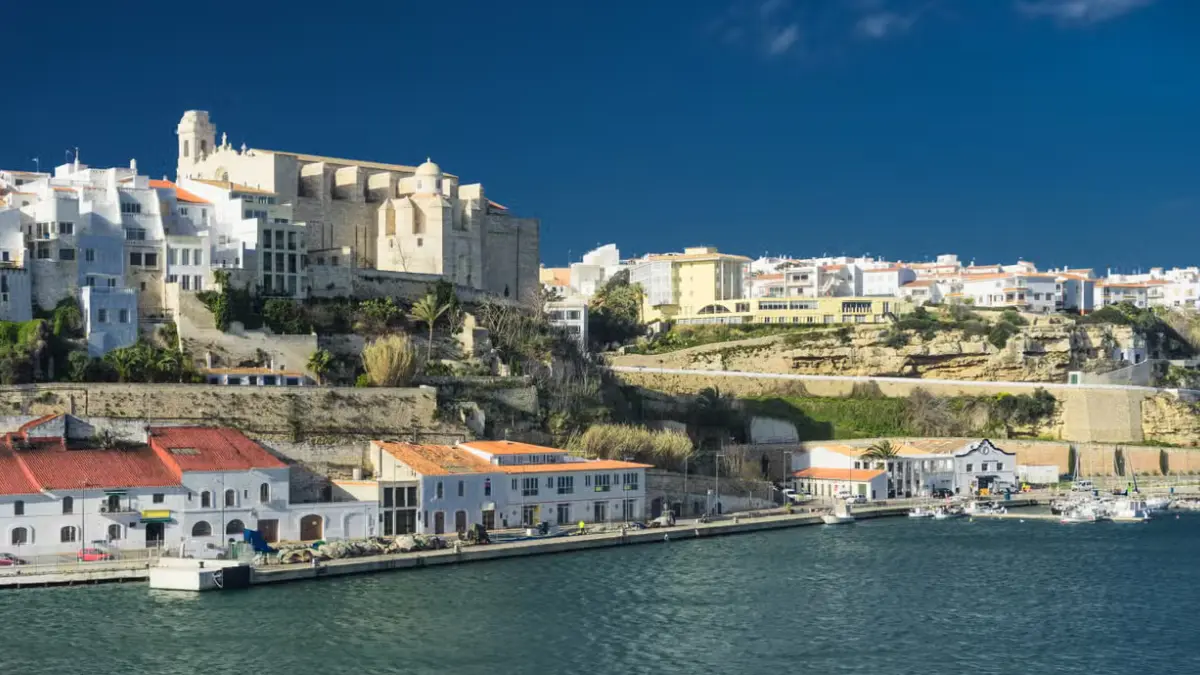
column 1129, row 510
column 841, row 515
column 948, row 512
column 1157, row 503
column 1079, row 514
column 920, row 512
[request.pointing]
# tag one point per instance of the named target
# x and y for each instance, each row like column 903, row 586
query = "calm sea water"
column 881, row 597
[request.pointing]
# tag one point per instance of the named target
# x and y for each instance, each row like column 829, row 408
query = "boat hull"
column 832, row 519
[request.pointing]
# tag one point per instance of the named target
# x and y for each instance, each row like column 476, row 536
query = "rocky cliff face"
column 1040, row 353
column 1167, row 419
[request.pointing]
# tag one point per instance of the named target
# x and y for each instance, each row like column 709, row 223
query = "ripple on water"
column 894, row 597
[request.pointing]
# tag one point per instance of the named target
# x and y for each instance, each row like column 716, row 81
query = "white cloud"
column 883, row 24
column 1080, row 11
column 783, row 39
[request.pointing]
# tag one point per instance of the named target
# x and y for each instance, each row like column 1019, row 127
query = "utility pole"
column 684, row 507
column 717, row 473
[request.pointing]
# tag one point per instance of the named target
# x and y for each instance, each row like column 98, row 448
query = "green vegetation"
column 428, row 310
column 319, row 363
column 615, row 312
column 921, row 414
column 664, row 449
column 679, row 336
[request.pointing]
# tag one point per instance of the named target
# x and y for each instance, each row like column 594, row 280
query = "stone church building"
column 368, row 215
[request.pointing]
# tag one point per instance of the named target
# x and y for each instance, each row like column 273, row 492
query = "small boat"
column 984, row 508
column 841, row 515
column 920, row 512
column 1154, row 504
column 1130, row 510
column 1077, row 516
column 948, row 512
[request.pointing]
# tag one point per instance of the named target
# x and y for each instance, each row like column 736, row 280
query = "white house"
column 60, row 490
column 922, row 291
column 886, row 280
column 1018, row 290
column 918, row 468
column 570, row 314
column 1116, row 292
column 501, row 484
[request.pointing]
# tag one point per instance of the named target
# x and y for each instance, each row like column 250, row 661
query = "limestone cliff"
column 1168, row 419
column 1039, row 353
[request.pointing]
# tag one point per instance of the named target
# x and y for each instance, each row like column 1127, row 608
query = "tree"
column 389, row 361
column 881, row 451
column 428, row 310
column 615, row 311
column 79, row 364
column 170, row 364
column 125, row 361
column 319, row 364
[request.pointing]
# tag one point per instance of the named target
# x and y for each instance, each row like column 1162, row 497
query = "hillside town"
column 282, row 350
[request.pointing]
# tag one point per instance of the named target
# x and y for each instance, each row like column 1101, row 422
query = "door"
column 311, row 528
column 155, row 533
column 460, row 521
column 600, row 512
column 489, row 520
column 439, row 522
column 528, row 516
column 269, row 529
column 564, row 514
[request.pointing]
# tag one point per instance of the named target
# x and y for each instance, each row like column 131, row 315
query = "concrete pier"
column 172, row 575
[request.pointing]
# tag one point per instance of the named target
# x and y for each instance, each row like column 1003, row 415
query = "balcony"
column 117, row 510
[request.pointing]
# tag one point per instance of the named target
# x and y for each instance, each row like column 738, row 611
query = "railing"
column 69, row 562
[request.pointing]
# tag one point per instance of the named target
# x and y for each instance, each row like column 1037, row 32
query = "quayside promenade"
column 116, row 572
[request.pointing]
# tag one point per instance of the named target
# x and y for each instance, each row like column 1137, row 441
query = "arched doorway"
column 234, row 526
column 311, row 528
column 202, row 529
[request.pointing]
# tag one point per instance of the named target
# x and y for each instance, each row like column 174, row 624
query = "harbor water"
column 892, row 596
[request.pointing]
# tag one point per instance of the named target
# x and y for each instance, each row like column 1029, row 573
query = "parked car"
column 93, row 554
column 795, row 497
column 942, row 493
column 1082, row 486
column 856, row 499
column 10, row 560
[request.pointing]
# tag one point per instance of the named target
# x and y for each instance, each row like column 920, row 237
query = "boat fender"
column 666, row 537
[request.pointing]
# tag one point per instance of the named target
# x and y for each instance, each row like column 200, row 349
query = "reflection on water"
column 876, row 597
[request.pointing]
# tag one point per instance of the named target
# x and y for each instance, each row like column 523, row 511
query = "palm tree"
column 124, row 361
column 170, row 363
column 428, row 310
column 319, row 364
column 881, row 451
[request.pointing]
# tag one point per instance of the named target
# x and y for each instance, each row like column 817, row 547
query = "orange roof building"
column 501, row 484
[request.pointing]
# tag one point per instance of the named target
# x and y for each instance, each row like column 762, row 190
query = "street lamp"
column 717, row 473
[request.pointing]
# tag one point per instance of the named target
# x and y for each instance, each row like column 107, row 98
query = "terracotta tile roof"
column 210, row 449
column 839, row 474
column 563, row 467
column 180, row 194
column 830, row 268
column 768, row 277
column 437, row 460
column 510, row 448
column 498, row 207
column 13, row 477
column 52, row 466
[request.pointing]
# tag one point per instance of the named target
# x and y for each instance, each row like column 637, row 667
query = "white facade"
column 886, row 281
column 918, row 468
column 1026, row 292
column 572, row 316
column 110, row 318
column 500, row 484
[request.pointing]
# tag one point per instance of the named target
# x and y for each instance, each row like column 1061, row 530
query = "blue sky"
column 1064, row 131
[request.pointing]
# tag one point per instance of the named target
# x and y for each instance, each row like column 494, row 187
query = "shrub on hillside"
column 390, row 361
column 664, row 449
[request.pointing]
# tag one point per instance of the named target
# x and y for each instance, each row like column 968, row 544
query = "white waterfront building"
column 438, row 489
column 919, row 468
column 61, row 491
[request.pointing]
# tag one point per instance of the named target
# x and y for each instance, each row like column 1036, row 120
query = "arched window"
column 713, row 309
column 234, row 526
column 19, row 536
column 264, row 493
column 202, row 529
column 67, row 534
column 230, row 498
column 114, row 532
column 68, row 505
column 206, row 500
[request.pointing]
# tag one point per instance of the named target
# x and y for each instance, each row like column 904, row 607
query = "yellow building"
column 680, row 284
column 797, row 311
